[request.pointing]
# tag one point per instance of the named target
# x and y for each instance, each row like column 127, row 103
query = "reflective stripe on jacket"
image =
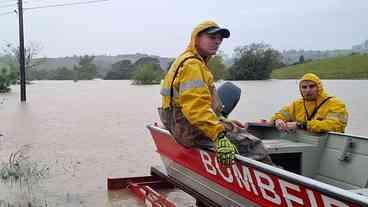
column 192, row 88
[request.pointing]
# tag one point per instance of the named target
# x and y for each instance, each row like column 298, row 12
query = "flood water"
column 89, row 130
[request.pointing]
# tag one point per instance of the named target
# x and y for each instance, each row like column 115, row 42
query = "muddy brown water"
column 86, row 131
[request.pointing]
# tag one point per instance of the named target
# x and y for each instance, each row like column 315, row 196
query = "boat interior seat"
column 296, row 157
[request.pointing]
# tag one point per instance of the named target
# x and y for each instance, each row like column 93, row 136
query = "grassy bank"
column 347, row 67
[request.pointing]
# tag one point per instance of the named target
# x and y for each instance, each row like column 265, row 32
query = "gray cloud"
column 163, row 27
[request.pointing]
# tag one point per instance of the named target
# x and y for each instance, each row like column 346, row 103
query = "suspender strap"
column 315, row 109
column 176, row 73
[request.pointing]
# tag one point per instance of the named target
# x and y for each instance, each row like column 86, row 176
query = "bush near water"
column 354, row 66
column 8, row 76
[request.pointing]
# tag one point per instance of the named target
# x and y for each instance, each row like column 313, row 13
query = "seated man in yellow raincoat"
column 191, row 108
column 315, row 111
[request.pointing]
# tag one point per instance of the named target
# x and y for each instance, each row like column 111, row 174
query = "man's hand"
column 286, row 126
column 237, row 123
column 225, row 150
column 281, row 125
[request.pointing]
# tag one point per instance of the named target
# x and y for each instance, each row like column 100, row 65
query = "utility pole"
column 21, row 53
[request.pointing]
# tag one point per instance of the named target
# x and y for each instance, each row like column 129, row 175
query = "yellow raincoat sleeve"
column 285, row 114
column 195, row 100
column 336, row 119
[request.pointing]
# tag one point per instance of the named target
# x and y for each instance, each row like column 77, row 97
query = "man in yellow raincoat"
column 315, row 111
column 190, row 106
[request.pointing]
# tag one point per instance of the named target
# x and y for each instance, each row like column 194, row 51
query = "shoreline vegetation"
column 257, row 61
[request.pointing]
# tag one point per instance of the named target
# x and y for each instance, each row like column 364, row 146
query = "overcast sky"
column 163, row 27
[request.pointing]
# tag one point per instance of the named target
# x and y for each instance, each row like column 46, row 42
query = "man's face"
column 309, row 90
column 208, row 44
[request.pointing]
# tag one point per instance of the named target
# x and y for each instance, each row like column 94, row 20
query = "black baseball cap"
column 225, row 33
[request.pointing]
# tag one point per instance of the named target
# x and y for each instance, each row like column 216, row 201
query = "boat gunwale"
column 348, row 135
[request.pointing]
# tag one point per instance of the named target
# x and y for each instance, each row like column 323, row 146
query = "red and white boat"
column 329, row 170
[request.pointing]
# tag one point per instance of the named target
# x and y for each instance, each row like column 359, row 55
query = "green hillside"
column 346, row 67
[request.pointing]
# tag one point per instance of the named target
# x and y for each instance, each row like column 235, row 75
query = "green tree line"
column 250, row 62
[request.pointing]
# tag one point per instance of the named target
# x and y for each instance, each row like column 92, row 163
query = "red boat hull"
column 250, row 182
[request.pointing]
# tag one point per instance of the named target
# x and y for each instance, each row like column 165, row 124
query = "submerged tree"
column 8, row 76
column 147, row 74
column 86, row 69
column 12, row 56
column 254, row 62
column 147, row 71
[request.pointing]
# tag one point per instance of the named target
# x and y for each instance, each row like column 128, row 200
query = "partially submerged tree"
column 145, row 70
column 254, row 62
column 12, row 55
column 8, row 76
column 147, row 74
column 86, row 69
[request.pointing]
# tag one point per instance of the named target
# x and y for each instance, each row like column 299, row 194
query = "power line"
column 49, row 6
column 65, row 4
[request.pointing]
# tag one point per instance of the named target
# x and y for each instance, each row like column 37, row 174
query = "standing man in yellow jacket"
column 315, row 111
column 190, row 105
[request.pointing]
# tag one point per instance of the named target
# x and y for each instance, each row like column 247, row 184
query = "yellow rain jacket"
column 331, row 116
column 192, row 88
